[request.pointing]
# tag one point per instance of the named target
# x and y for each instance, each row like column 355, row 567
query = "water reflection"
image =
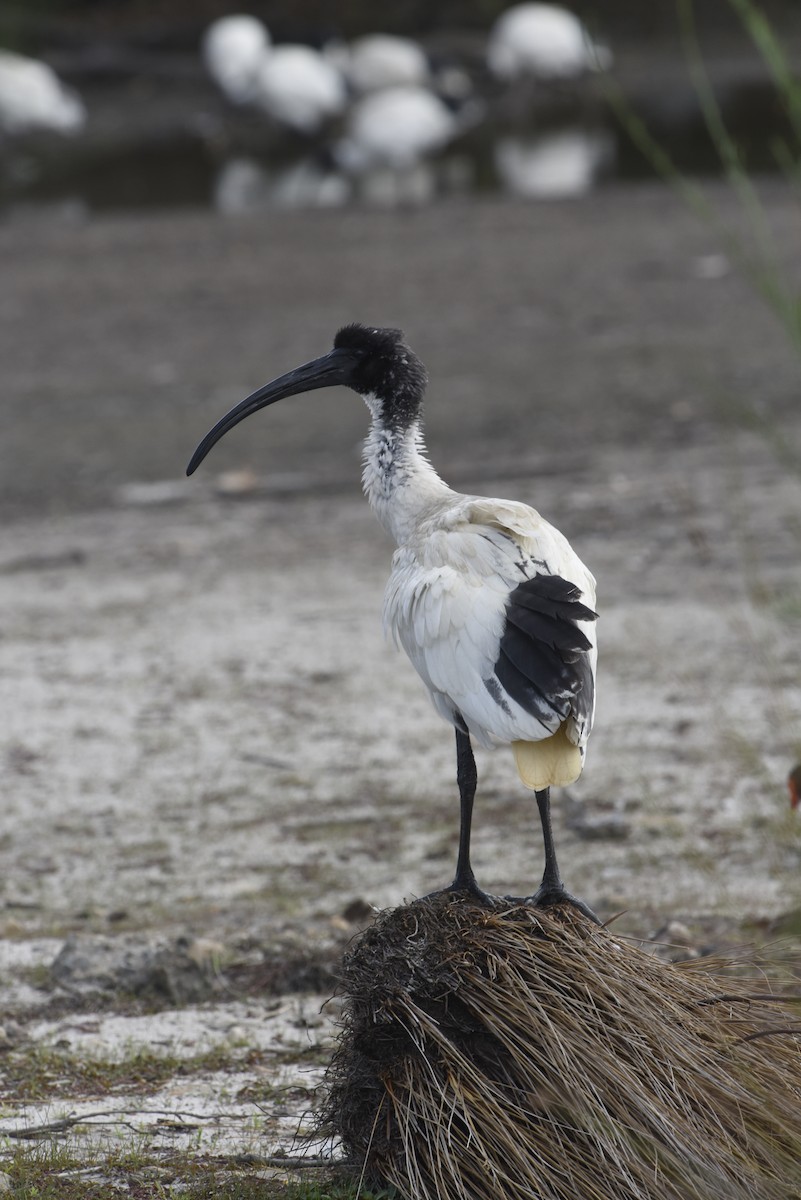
column 244, row 186
column 554, row 165
column 551, row 166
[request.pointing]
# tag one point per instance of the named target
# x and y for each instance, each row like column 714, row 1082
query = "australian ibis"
column 542, row 41
column 395, row 127
column 32, row 97
column 390, row 137
column 489, row 601
column 234, row 48
column 379, row 60
column 299, row 88
column 294, row 85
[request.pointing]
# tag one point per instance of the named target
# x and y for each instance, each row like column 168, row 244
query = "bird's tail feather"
column 552, row 762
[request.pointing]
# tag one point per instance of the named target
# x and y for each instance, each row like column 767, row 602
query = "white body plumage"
column 459, row 559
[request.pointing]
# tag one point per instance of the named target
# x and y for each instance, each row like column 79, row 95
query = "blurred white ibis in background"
column 389, row 136
column 298, row 88
column 543, row 41
column 489, row 601
column 32, row 97
column 384, row 60
column 380, row 60
column 794, row 786
column 233, row 50
column 395, row 127
column 295, row 85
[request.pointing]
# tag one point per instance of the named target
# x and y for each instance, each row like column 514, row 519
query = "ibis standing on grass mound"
column 489, row 601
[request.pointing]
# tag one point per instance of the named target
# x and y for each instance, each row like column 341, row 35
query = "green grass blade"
column 762, row 35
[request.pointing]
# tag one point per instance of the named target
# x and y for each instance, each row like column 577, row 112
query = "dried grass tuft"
column 524, row 1054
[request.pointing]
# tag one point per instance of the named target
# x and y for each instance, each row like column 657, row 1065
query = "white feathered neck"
column 398, row 480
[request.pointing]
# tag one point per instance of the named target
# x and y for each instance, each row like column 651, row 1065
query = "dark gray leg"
column 552, row 890
column 466, row 777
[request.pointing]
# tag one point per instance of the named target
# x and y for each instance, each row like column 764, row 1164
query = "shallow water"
column 153, row 143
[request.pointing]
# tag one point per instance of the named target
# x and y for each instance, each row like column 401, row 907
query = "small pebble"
column 242, row 482
column 152, row 493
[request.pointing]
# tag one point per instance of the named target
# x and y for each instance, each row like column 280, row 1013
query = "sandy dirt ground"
column 204, row 733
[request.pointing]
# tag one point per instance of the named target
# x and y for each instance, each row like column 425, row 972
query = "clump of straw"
column 524, row 1054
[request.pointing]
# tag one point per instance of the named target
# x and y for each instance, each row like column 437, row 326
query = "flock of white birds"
column 393, row 110
column 388, row 109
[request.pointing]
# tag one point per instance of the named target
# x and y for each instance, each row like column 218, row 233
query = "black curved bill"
column 333, row 368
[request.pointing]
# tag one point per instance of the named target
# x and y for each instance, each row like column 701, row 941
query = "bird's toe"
column 466, row 889
column 550, row 896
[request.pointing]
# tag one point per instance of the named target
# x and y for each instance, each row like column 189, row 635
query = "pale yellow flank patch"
column 552, row 762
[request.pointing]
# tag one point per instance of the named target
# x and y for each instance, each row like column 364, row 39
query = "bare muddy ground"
column 204, row 734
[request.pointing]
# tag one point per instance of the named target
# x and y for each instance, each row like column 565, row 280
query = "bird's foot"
column 464, row 886
column 549, row 894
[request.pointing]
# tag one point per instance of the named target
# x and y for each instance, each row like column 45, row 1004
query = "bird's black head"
column 386, row 368
column 376, row 363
